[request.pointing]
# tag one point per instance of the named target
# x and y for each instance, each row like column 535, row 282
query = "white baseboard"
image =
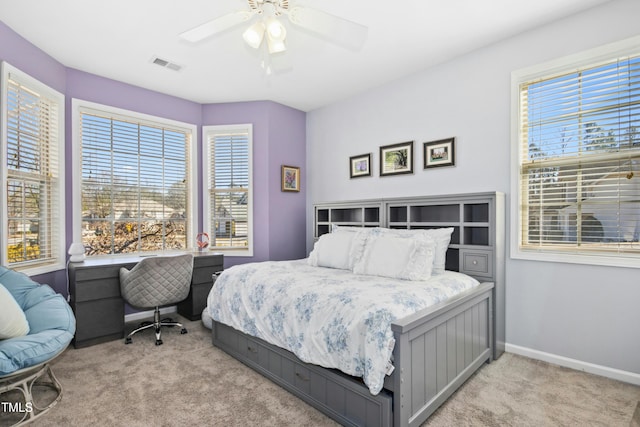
column 616, row 374
column 143, row 315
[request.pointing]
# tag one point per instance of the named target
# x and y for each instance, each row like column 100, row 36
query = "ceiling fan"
column 340, row 31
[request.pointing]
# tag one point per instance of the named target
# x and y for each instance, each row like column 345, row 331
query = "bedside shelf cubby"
column 358, row 214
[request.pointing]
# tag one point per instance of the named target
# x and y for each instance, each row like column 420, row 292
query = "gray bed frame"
column 437, row 349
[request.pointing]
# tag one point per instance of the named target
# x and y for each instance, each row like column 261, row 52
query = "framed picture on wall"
column 360, row 165
column 439, row 153
column 396, row 159
column 290, row 178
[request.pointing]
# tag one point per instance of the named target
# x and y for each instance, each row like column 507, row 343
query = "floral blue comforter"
column 328, row 317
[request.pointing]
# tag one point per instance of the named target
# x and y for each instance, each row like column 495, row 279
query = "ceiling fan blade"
column 337, row 30
column 216, row 26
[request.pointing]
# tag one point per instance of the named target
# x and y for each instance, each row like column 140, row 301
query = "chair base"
column 157, row 324
column 24, row 382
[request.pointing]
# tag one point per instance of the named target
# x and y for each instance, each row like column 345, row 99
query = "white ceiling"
column 119, row 38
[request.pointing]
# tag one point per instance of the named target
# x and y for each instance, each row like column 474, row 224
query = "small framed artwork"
column 439, row 153
column 396, row 159
column 290, row 178
column 360, row 166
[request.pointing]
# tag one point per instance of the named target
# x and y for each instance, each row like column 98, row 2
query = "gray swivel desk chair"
column 156, row 282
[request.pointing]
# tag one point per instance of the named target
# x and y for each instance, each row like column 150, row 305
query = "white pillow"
column 360, row 235
column 337, row 250
column 397, row 257
column 13, row 322
column 441, row 236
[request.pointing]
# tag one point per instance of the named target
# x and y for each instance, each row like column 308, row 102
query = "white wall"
column 577, row 315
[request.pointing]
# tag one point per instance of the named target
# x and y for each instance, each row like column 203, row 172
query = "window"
column 578, row 165
column 135, row 183
column 227, row 197
column 33, row 237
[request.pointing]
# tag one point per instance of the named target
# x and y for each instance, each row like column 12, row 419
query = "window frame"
column 77, row 105
column 206, row 178
column 571, row 63
column 58, row 260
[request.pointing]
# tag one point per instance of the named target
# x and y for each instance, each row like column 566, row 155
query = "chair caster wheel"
column 183, row 331
column 127, row 340
column 158, row 342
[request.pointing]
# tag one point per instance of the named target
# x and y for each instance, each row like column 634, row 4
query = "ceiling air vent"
column 166, row 64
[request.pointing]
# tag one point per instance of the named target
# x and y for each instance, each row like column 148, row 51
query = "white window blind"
column 135, row 184
column 228, row 171
column 579, row 172
column 33, row 179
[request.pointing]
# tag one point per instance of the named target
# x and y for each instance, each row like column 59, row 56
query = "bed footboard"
column 437, row 350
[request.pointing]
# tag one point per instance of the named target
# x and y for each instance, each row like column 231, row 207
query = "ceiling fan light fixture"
column 275, row 46
column 275, row 29
column 254, row 34
column 276, row 34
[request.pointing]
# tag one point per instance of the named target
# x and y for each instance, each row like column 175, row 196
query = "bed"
column 370, row 328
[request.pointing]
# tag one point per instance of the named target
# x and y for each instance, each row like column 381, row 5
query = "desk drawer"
column 208, row 260
column 99, row 318
column 90, row 290
column 202, row 275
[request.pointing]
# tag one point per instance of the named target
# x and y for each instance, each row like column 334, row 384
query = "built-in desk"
column 94, row 290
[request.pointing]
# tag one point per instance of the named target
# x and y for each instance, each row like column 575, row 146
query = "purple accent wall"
column 101, row 90
column 279, row 138
column 287, row 210
column 20, row 53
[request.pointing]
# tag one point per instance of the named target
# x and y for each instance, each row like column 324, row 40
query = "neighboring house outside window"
column 578, row 159
column 227, row 197
column 136, row 183
column 32, row 174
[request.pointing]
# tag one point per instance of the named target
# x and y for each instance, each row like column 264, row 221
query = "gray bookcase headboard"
column 477, row 245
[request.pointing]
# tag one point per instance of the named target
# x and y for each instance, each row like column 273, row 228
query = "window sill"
column 39, row 269
column 231, row 252
column 617, row 260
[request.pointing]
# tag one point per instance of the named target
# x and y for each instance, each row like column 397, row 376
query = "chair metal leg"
column 157, row 324
column 135, row 331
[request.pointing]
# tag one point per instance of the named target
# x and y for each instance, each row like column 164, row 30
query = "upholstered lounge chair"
column 24, row 360
column 156, row 282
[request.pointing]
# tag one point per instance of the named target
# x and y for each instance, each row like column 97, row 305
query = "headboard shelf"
column 352, row 214
column 476, row 212
column 477, row 242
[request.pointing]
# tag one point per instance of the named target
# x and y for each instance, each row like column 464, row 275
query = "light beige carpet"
column 187, row 381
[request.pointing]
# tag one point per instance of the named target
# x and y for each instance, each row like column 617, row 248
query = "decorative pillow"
column 397, row 257
column 13, row 322
column 337, row 250
column 360, row 235
column 441, row 236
